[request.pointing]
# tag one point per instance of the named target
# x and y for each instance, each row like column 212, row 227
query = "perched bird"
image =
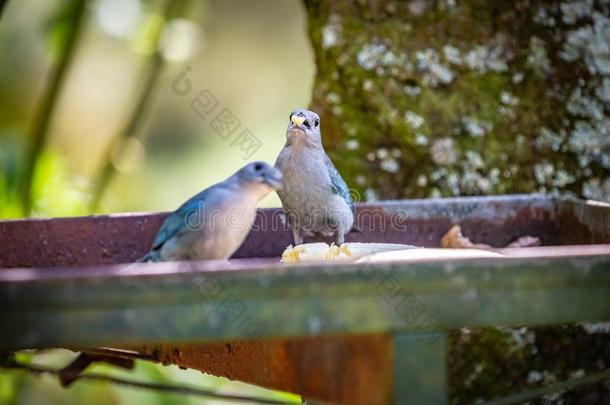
column 215, row 222
column 315, row 197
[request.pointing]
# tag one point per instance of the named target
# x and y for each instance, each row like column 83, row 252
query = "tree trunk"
column 442, row 98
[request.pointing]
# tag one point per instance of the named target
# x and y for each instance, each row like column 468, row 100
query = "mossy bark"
column 493, row 362
column 441, row 98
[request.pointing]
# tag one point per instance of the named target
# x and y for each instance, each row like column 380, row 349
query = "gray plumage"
column 315, row 196
column 215, row 222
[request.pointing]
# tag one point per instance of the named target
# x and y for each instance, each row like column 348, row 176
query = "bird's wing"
column 337, row 183
column 176, row 222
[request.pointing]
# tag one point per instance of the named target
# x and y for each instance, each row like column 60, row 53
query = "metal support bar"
column 420, row 368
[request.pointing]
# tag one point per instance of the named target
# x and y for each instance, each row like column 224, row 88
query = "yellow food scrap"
column 347, row 252
column 309, row 252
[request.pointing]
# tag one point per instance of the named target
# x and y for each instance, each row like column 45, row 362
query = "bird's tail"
column 152, row 256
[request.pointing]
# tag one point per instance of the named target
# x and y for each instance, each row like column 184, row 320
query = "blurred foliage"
column 11, row 150
column 21, row 387
column 222, row 42
column 58, row 28
column 65, row 34
column 153, row 66
column 55, row 192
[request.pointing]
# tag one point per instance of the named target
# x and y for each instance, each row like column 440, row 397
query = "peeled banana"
column 347, row 252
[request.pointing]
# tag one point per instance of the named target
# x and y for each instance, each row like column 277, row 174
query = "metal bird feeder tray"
column 353, row 333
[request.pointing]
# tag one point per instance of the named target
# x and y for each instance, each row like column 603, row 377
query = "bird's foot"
column 298, row 237
column 339, row 239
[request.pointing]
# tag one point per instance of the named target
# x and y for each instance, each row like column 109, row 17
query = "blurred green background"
column 17, row 387
column 254, row 58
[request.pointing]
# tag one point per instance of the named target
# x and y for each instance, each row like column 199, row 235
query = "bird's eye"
column 316, row 123
column 306, row 123
column 258, row 167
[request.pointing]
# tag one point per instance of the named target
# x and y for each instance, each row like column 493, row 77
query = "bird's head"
column 304, row 127
column 257, row 173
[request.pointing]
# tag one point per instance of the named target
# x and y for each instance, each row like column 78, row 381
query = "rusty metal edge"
column 123, row 238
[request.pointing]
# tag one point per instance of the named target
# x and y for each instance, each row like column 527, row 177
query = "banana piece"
column 309, row 252
column 347, row 252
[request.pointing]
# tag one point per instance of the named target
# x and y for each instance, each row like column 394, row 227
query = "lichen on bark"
column 442, row 98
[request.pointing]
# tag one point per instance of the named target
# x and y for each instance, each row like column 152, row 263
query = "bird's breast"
column 305, row 172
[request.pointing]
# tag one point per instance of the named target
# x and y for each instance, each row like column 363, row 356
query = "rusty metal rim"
column 252, row 266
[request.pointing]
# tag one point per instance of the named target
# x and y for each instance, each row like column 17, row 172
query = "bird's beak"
column 297, row 120
column 274, row 179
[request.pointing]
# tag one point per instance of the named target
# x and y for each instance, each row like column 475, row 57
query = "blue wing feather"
column 176, row 222
column 338, row 185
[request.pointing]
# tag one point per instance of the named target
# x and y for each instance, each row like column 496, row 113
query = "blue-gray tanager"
column 215, row 222
column 315, row 197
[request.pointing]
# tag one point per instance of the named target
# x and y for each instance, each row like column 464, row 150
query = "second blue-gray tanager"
column 315, row 196
column 215, row 222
